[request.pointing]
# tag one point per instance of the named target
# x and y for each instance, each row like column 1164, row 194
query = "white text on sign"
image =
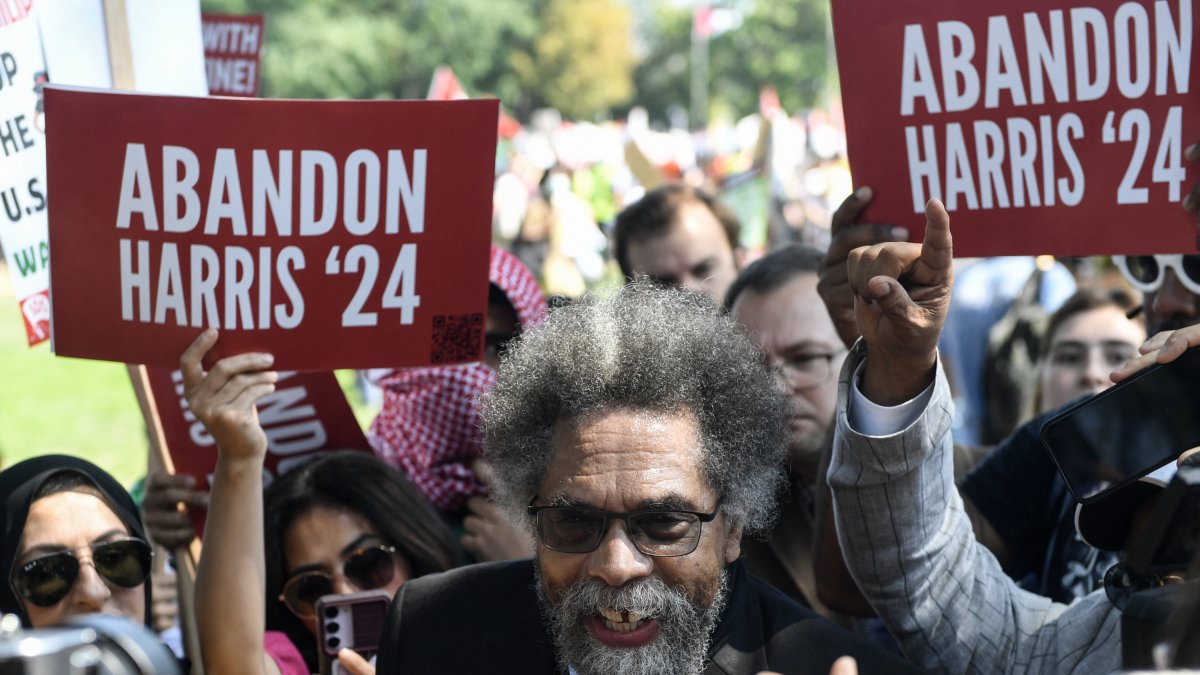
column 1014, row 160
column 368, row 188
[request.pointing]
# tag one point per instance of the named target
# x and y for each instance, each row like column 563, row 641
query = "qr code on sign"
column 457, row 338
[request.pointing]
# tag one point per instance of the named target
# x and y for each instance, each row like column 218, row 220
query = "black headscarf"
column 18, row 485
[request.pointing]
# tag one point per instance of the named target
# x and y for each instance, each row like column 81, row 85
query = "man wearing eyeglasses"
column 776, row 299
column 639, row 437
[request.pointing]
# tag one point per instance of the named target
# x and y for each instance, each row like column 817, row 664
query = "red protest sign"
column 232, row 53
column 1045, row 127
column 333, row 234
column 306, row 415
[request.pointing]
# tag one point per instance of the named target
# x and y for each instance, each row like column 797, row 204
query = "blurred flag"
column 445, row 87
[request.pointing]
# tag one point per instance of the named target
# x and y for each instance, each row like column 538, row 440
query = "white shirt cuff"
column 871, row 419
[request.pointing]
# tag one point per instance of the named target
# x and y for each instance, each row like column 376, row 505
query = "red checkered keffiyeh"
column 429, row 426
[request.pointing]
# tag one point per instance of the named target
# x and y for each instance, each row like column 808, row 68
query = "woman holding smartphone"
column 321, row 530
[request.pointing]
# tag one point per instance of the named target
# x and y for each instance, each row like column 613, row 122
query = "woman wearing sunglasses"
column 342, row 523
column 72, row 544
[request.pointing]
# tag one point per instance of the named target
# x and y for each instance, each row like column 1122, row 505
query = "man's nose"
column 89, row 592
column 617, row 560
column 1173, row 299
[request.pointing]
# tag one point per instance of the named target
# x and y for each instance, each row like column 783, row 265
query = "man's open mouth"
column 621, row 621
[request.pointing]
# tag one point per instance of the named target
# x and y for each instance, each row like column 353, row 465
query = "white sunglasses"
column 1146, row 272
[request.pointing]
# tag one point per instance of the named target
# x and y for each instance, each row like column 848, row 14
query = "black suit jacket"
column 486, row 619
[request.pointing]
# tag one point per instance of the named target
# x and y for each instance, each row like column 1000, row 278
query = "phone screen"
column 1127, row 431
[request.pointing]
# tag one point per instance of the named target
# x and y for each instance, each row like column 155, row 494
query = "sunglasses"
column 366, row 568
column 45, row 581
column 666, row 534
column 1147, row 272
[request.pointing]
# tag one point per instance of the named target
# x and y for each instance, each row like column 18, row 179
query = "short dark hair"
column 643, row 348
column 653, row 214
column 364, row 484
column 774, row 270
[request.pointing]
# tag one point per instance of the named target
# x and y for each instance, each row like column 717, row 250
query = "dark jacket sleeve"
column 1013, row 488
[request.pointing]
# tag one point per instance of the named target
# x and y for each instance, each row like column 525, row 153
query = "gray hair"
column 643, row 348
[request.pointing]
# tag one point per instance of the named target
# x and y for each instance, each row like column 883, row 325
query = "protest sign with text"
column 23, row 166
column 307, row 414
column 333, row 234
column 1044, row 126
column 233, row 53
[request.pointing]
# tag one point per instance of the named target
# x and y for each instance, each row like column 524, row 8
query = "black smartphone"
column 351, row 621
column 1127, row 431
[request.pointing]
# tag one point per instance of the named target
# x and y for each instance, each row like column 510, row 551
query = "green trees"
column 585, row 57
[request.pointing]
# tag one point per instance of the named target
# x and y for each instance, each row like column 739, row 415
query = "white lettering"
column 136, row 194
column 916, row 80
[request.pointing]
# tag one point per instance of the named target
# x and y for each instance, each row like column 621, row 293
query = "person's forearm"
column 907, row 542
column 231, row 579
column 889, row 380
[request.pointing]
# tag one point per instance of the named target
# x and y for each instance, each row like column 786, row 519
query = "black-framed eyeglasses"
column 46, row 580
column 806, row 370
column 366, row 568
column 663, row 533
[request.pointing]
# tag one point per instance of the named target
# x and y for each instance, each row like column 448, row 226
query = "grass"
column 68, row 406
column 76, row 407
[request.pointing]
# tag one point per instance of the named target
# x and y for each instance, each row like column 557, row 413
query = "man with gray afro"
column 638, row 436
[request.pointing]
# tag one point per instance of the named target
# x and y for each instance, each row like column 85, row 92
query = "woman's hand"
column 354, row 663
column 224, row 397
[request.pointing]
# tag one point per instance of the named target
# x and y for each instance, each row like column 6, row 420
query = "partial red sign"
column 333, row 234
column 233, row 48
column 306, row 415
column 1044, row 126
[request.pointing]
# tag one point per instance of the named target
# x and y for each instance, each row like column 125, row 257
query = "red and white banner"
column 23, row 165
column 333, row 234
column 233, row 54
column 1044, row 126
column 306, row 415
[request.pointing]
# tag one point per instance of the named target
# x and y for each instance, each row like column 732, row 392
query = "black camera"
column 94, row 644
column 1161, row 576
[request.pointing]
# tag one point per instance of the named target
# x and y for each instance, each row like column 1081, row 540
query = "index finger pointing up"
column 937, row 251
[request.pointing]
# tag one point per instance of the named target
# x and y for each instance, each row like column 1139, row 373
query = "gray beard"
column 680, row 648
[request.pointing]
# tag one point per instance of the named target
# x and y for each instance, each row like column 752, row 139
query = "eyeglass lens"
column 1146, row 270
column 663, row 533
column 807, row 370
column 47, row 580
column 366, row 569
column 1143, row 268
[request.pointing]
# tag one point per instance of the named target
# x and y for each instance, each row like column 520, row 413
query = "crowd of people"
column 724, row 465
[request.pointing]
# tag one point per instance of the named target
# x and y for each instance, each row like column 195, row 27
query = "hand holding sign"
column 849, row 234
column 224, row 397
column 901, row 296
column 164, row 508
